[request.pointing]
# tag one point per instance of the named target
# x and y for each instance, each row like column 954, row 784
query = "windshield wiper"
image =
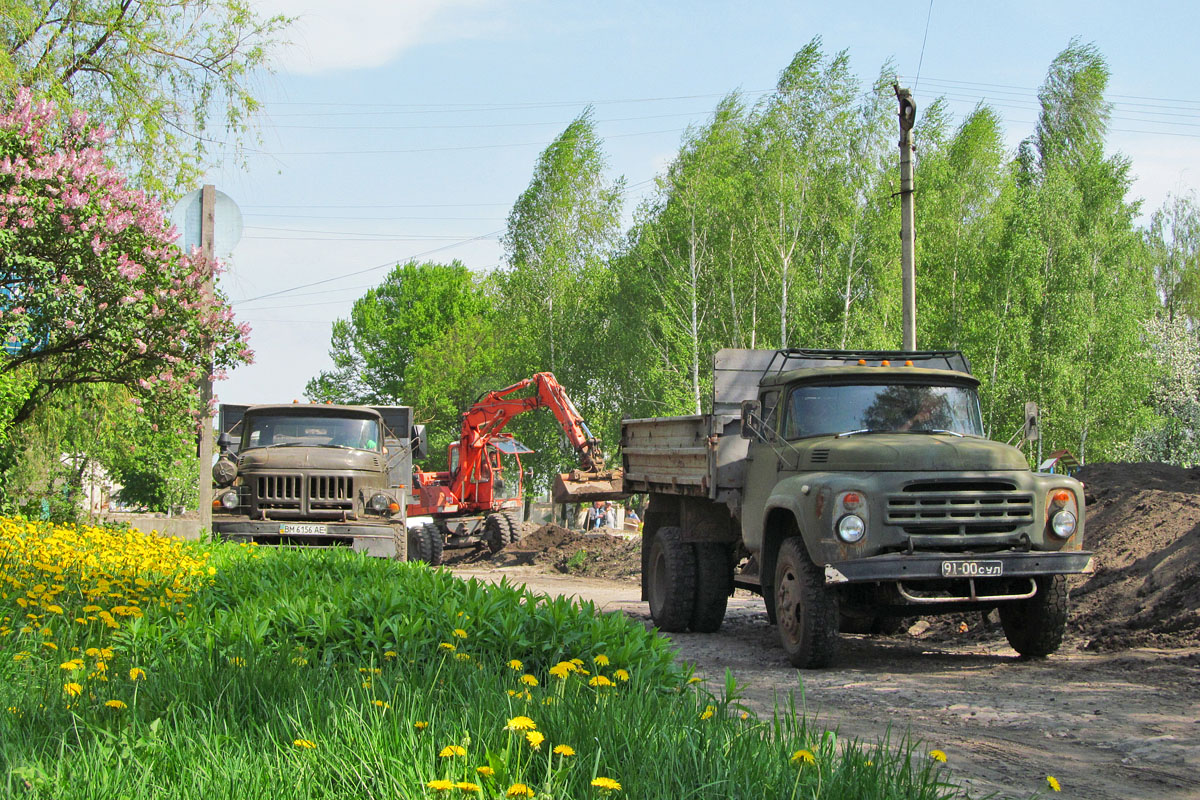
column 844, row 434
column 938, row 430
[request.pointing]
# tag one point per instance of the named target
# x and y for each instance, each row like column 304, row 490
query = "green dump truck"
column 849, row 489
column 317, row 475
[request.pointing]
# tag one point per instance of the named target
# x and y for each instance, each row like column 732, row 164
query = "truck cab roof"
column 870, row 374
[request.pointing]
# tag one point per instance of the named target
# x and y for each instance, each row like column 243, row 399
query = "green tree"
column 158, row 73
column 1174, row 243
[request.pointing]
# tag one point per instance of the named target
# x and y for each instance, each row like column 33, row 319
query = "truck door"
column 762, row 468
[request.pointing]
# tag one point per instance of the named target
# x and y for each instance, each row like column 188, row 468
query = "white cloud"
column 330, row 35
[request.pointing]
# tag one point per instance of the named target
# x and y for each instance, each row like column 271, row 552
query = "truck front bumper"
column 891, row 567
column 374, row 540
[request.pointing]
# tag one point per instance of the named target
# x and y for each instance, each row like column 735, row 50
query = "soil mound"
column 1143, row 522
column 598, row 554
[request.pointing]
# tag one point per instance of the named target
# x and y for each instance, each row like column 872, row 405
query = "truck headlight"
column 851, row 528
column 229, row 500
column 1063, row 524
column 379, row 503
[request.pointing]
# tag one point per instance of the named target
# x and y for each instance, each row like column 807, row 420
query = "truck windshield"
column 881, row 408
column 281, row 430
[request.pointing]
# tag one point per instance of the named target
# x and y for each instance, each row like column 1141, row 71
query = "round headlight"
column 1063, row 524
column 851, row 528
column 379, row 503
column 229, row 500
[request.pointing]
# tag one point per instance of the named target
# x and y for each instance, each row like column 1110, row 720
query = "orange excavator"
column 479, row 497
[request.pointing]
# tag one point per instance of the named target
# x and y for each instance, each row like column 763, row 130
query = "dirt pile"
column 597, row 554
column 1143, row 522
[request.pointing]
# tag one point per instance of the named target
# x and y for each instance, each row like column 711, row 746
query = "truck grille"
column 330, row 492
column 291, row 495
column 949, row 507
column 279, row 491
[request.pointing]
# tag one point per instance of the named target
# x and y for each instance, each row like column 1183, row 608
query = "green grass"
column 347, row 653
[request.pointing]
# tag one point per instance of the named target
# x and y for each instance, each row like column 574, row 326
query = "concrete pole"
column 908, row 115
column 208, row 202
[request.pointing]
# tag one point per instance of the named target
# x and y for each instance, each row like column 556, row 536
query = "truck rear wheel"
column 714, row 584
column 1035, row 627
column 807, row 611
column 672, row 580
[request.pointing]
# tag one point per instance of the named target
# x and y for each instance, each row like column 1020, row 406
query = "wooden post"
column 208, row 202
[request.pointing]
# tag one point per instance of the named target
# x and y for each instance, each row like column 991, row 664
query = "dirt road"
column 1106, row 725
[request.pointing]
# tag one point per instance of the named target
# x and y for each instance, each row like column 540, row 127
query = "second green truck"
column 849, row 489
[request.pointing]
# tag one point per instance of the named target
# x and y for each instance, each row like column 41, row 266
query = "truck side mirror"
column 751, row 409
column 223, row 442
column 420, row 442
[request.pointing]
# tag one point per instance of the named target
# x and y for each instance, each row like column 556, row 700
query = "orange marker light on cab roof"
column 908, row 363
column 885, row 363
column 862, row 362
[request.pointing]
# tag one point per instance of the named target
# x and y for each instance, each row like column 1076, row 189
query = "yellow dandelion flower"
column 420, row 725
column 561, row 670
column 486, row 772
column 938, row 755
column 300, row 661
column 708, row 712
column 565, row 750
column 21, row 656
column 462, row 656
column 459, row 633
column 304, row 744
column 802, row 757
column 73, row 665
column 529, row 680
column 606, row 784
column 693, row 679
column 601, row 660
column 440, row 785
column 577, row 662
column 516, row 665
column 467, row 786
column 600, row 681
column 117, row 704
column 390, row 654
column 450, row 751
column 535, row 739
column 50, row 645
column 72, row 689
column 745, row 715
column 520, row 724
column 519, row 790
column 549, row 701
column 137, row 674
column 381, row 704
column 446, row 646
column 237, row 661
column 1052, row 782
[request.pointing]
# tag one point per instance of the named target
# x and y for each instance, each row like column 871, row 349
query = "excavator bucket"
column 581, row 486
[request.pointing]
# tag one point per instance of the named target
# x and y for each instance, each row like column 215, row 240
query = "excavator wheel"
column 514, row 526
column 496, row 532
column 436, row 543
column 418, row 544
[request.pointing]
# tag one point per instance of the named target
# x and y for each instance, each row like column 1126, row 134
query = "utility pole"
column 908, row 115
column 208, row 203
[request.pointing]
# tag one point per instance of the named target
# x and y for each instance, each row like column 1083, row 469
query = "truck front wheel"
column 806, row 610
column 1035, row 627
column 672, row 580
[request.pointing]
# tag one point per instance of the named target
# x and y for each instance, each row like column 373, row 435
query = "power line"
column 924, row 39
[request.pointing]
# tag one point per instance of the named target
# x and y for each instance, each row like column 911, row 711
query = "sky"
column 399, row 129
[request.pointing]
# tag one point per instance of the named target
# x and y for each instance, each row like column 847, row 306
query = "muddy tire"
column 807, row 611
column 400, row 537
column 496, row 532
column 513, row 519
column 1035, row 627
column 714, row 584
column 437, row 543
column 418, row 544
column 672, row 580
